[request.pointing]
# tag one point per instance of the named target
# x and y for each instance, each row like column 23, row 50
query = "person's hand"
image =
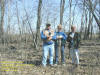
column 59, row 37
column 71, row 36
column 50, row 38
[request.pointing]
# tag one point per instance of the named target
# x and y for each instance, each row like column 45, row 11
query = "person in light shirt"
column 74, row 41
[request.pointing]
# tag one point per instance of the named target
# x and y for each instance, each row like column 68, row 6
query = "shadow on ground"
column 35, row 62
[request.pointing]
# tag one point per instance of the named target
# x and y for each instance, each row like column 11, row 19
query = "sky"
column 50, row 13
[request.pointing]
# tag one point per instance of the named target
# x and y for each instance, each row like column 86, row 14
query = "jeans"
column 57, row 54
column 74, row 55
column 46, row 49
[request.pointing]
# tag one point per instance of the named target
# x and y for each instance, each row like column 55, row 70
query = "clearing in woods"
column 27, row 61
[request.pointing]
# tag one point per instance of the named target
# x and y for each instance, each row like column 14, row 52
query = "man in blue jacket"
column 62, row 37
column 48, row 36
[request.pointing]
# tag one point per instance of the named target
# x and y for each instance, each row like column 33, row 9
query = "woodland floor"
column 31, row 60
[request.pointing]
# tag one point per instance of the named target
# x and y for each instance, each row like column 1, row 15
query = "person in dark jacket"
column 61, row 36
column 74, row 41
column 48, row 36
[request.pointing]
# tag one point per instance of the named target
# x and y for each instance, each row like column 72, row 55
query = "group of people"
column 54, row 43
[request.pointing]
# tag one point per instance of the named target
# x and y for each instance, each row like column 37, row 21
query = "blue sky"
column 50, row 10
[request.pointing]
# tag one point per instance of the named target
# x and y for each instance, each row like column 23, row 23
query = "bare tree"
column 62, row 4
column 91, row 8
column 17, row 14
column 27, row 20
column 2, row 9
column 70, row 6
column 8, row 27
column 90, row 11
column 38, row 22
column 86, row 21
column 89, row 25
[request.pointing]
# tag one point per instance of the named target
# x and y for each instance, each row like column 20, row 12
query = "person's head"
column 73, row 28
column 48, row 26
column 59, row 27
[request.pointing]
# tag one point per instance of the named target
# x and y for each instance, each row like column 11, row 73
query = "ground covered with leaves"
column 23, row 59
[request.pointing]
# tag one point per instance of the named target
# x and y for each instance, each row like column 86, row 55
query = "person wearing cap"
column 74, row 41
column 48, row 36
column 62, row 37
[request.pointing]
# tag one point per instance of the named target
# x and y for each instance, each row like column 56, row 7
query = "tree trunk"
column 8, row 25
column 88, row 30
column 82, row 20
column 59, row 49
column 91, row 9
column 17, row 14
column 86, row 19
column 38, row 23
column 96, row 19
column 81, row 29
column 61, row 11
column 70, row 6
column 2, row 9
column 91, row 27
column 91, row 32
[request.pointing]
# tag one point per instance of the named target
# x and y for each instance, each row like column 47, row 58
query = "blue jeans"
column 57, row 54
column 46, row 49
column 74, row 55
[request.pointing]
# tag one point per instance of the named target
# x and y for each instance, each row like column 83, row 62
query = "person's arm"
column 54, row 37
column 64, row 36
column 43, row 36
column 79, row 38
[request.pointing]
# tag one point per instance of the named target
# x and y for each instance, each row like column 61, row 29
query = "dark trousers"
column 57, row 54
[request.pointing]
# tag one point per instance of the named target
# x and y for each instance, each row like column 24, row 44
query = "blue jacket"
column 44, row 38
column 63, row 34
column 64, row 38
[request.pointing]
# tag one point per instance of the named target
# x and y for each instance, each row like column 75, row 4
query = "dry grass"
column 89, row 60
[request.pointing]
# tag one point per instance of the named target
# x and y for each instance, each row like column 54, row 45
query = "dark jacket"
column 75, row 41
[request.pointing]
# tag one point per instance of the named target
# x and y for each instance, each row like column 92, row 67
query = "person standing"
column 48, row 35
column 74, row 41
column 61, row 36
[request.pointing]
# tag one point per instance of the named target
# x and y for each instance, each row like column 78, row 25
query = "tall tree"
column 17, row 14
column 82, row 18
column 70, row 8
column 8, row 27
column 91, row 9
column 62, row 3
column 2, row 9
column 38, row 22
column 89, row 25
